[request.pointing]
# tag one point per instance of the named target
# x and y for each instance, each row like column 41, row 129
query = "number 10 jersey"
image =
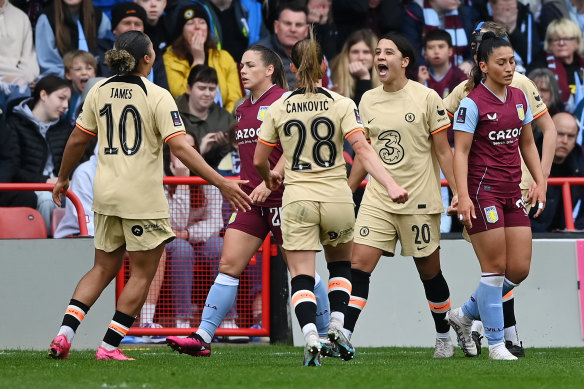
column 131, row 117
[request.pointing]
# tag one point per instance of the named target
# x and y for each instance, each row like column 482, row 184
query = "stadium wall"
column 37, row 279
column 547, row 303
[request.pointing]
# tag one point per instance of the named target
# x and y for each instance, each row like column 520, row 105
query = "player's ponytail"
column 307, row 57
column 269, row 57
column 128, row 51
column 490, row 41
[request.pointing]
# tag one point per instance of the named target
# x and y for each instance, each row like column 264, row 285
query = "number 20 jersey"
column 131, row 117
column 311, row 128
column 400, row 126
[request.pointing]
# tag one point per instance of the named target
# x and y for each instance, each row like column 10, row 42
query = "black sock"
column 509, row 313
column 339, row 286
column 118, row 328
column 438, row 297
column 359, row 294
column 74, row 314
column 303, row 299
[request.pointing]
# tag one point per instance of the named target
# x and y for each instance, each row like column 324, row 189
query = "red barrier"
column 49, row 187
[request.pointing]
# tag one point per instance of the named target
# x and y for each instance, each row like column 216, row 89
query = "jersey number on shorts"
column 276, row 212
column 129, row 110
column 423, row 232
column 320, row 142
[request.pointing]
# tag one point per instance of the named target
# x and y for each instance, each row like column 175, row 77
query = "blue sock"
column 219, row 302
column 490, row 303
column 471, row 309
column 323, row 312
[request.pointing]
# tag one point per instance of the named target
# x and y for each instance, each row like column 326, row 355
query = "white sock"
column 337, row 320
column 108, row 346
column 147, row 313
column 347, row 333
column 68, row 332
column 440, row 335
column 310, row 333
column 205, row 335
column 512, row 335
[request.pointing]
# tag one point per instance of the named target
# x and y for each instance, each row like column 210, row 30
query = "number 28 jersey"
column 131, row 117
column 400, row 126
column 311, row 128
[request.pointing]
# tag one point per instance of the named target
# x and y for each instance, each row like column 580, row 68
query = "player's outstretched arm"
column 195, row 162
column 74, row 149
column 372, row 164
column 272, row 178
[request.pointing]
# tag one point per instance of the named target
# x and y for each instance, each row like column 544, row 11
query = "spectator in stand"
column 240, row 24
column 320, row 16
column 129, row 16
column 521, row 28
column 196, row 219
column 155, row 26
column 32, row 8
column 107, row 5
column 440, row 74
column 549, row 91
column 80, row 67
column 196, row 46
column 563, row 44
column 558, row 9
column 207, row 121
column 352, row 69
column 290, row 27
column 380, row 16
column 18, row 62
column 36, row 133
column 68, row 25
column 568, row 162
column 450, row 15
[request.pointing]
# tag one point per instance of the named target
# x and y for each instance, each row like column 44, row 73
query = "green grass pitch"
column 277, row 366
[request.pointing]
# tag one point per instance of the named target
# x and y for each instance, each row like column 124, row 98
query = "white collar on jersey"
column 251, row 97
column 483, row 82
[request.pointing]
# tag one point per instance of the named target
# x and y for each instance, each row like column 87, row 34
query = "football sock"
column 512, row 336
column 118, row 328
column 489, row 300
column 438, row 296
column 339, row 291
column 323, row 313
column 219, row 302
column 74, row 315
column 358, row 299
column 509, row 304
column 147, row 313
column 303, row 300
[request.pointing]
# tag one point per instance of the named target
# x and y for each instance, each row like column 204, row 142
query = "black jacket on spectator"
column 103, row 45
column 29, row 150
column 552, row 218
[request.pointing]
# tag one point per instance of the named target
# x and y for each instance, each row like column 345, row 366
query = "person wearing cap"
column 128, row 16
column 195, row 45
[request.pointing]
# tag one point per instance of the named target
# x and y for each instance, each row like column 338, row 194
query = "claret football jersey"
column 400, row 126
column 311, row 128
column 131, row 117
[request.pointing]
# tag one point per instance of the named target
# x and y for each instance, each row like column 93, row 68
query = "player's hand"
column 530, row 192
column 466, row 67
column 397, row 194
column 178, row 168
column 60, row 188
column 275, row 180
column 232, row 192
column 453, row 207
column 538, row 199
column 358, row 70
column 423, row 74
column 466, row 211
column 260, row 193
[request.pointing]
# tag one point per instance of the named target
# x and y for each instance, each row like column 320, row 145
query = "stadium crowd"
column 51, row 52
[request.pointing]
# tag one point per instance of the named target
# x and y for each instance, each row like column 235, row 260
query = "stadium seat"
column 58, row 214
column 21, row 223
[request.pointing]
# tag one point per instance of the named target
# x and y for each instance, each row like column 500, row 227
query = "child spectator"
column 68, row 25
column 156, row 22
column 440, row 74
column 80, row 66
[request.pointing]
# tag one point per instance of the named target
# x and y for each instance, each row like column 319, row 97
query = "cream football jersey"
column 311, row 129
column 400, row 126
column 131, row 117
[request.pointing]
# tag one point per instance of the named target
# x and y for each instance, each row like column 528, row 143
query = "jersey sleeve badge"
column 262, row 112
column 461, row 117
column 176, row 118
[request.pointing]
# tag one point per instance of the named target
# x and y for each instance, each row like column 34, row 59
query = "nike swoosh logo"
column 421, row 248
column 369, row 121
